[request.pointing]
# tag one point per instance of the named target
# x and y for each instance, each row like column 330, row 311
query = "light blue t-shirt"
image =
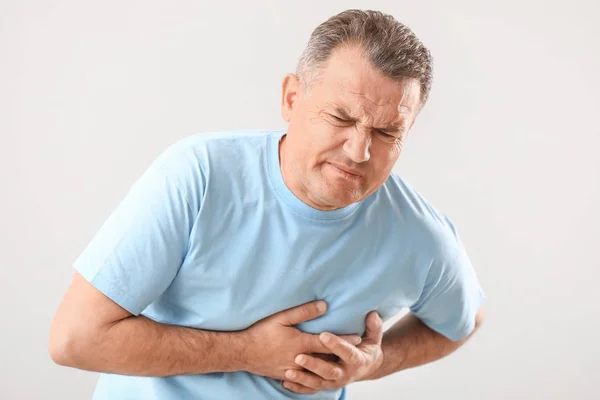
column 210, row 237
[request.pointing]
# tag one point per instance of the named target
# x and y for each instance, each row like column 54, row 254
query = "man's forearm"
column 140, row 346
column 410, row 343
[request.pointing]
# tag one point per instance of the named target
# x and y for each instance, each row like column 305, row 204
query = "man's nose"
column 357, row 145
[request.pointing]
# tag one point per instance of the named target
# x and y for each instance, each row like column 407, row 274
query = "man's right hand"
column 273, row 343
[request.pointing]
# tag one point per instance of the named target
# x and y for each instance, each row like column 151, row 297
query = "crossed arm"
column 112, row 340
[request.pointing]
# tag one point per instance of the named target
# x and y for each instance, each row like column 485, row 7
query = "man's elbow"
column 65, row 346
column 60, row 345
column 479, row 317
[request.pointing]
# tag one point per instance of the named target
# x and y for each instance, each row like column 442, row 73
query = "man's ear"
column 290, row 90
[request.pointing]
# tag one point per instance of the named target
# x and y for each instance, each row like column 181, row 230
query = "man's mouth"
column 347, row 171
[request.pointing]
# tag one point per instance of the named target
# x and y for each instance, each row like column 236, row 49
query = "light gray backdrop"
column 508, row 146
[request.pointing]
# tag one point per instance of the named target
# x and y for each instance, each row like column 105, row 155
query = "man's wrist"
column 238, row 350
column 221, row 351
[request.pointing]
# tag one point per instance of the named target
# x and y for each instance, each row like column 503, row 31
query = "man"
column 261, row 264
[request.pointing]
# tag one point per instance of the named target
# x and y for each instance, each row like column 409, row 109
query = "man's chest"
column 263, row 268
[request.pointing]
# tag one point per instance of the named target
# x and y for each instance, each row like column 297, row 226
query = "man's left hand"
column 355, row 362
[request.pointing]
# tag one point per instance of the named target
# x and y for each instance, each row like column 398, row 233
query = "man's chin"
column 343, row 199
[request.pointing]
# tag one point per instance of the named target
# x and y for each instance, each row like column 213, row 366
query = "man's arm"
column 407, row 344
column 448, row 310
column 440, row 320
column 92, row 332
column 410, row 343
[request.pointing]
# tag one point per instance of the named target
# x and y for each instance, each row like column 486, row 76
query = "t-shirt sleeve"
column 451, row 295
column 139, row 249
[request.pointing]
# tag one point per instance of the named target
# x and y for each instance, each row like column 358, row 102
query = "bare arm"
column 410, row 343
column 92, row 332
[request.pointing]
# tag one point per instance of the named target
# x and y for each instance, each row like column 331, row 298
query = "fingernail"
column 290, row 374
column 325, row 337
column 321, row 306
column 300, row 360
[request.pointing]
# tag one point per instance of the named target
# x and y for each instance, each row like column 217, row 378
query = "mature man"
column 260, row 264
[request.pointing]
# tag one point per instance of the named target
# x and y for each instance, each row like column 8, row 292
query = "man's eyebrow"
column 344, row 113
column 391, row 128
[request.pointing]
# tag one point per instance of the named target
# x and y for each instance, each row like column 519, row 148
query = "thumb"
column 374, row 328
column 301, row 313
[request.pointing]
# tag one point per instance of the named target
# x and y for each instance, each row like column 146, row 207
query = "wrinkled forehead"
column 365, row 95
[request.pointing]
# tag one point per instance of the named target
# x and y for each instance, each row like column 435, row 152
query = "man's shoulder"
column 205, row 149
column 430, row 227
column 409, row 197
column 222, row 139
column 194, row 160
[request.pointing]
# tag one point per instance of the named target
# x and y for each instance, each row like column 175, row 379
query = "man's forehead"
column 400, row 97
column 357, row 104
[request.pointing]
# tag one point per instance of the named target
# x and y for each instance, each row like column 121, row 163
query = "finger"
column 344, row 350
column 306, row 379
column 314, row 344
column 352, row 339
column 301, row 313
column 324, row 369
column 374, row 328
column 298, row 388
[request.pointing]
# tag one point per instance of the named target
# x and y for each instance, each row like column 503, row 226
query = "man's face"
column 346, row 134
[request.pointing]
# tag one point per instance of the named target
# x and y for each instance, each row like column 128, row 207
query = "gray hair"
column 390, row 46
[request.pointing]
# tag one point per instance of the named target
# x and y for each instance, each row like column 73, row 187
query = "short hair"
column 390, row 46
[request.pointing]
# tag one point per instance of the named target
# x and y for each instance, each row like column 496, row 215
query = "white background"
column 508, row 146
